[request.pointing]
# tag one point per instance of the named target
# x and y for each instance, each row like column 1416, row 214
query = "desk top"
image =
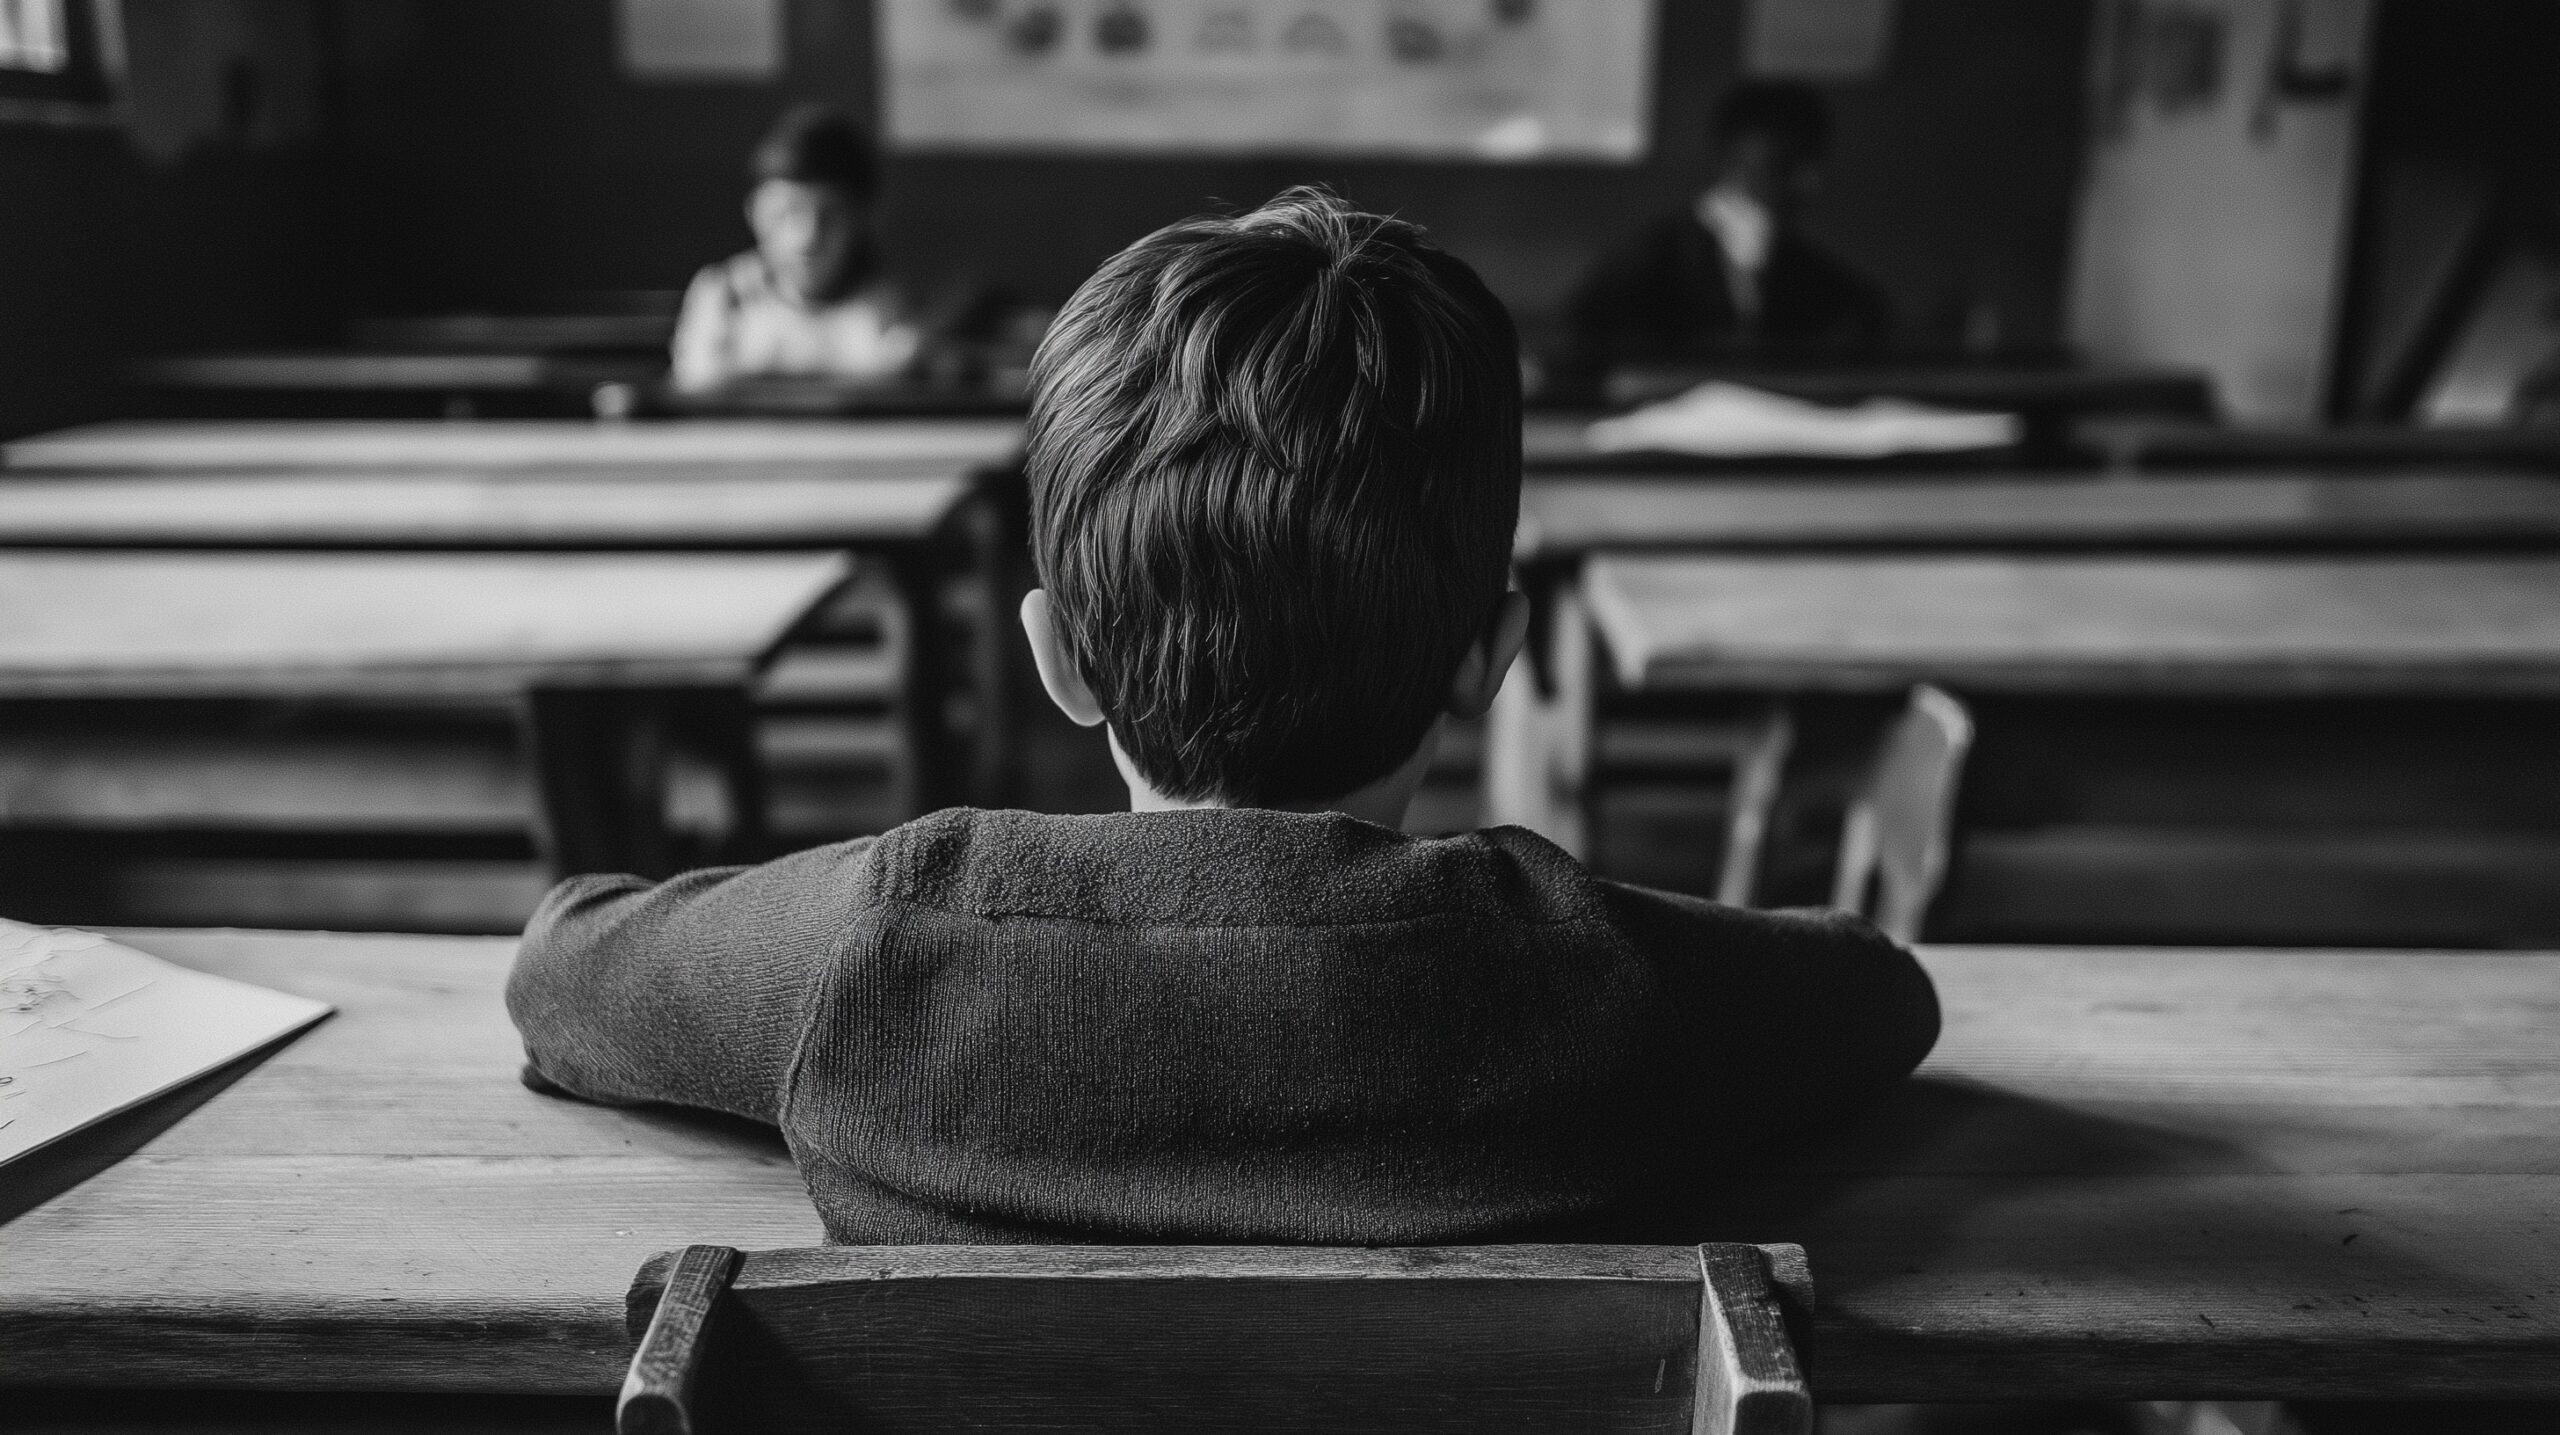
column 1564, row 516
column 2124, row 1173
column 2264, row 625
column 334, row 369
column 513, row 443
column 2146, row 443
column 402, row 626
column 797, row 505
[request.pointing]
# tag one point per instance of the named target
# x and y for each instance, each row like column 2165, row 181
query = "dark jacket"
column 1212, row 1026
column 1664, row 296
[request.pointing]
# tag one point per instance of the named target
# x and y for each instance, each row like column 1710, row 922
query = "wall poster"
column 1500, row 80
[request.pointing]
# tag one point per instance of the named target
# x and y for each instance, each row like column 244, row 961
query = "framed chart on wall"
column 1495, row 80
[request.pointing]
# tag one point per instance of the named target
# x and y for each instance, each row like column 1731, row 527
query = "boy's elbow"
column 554, row 980
column 1913, row 1017
column 1902, row 1018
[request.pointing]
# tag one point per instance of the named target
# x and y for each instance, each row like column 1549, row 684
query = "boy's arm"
column 699, row 353
column 691, row 991
column 1781, row 1020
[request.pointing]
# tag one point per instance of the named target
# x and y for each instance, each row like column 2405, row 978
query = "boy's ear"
column 1066, row 687
column 1480, row 672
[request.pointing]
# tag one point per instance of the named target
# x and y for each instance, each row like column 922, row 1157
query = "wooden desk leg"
column 1538, row 737
column 600, row 763
column 718, row 725
column 991, row 529
column 936, row 772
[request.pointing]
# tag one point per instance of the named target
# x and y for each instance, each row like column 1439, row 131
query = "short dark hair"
column 1274, row 462
column 817, row 144
column 1788, row 110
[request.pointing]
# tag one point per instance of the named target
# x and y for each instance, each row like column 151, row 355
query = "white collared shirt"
column 1747, row 230
column 737, row 323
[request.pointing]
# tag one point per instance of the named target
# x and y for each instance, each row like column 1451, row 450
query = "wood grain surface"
column 2124, row 1173
column 101, row 624
column 1564, row 516
column 795, row 505
column 2157, row 623
column 144, row 444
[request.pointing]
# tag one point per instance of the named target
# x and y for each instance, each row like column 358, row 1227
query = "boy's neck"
column 1383, row 802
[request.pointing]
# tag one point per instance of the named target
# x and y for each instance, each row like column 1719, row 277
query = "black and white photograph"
column 1291, row 717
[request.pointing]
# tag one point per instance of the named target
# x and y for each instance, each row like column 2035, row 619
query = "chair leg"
column 1754, row 795
column 599, row 761
column 1538, row 743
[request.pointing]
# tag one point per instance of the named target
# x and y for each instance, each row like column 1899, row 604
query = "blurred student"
column 1733, row 275
column 1275, row 466
column 809, row 300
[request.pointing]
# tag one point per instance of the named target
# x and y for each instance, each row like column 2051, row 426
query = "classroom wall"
column 494, row 156
column 2214, row 221
column 195, row 220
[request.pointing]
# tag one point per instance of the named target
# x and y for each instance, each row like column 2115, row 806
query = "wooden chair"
column 1239, row 1338
column 1894, row 837
column 1544, row 751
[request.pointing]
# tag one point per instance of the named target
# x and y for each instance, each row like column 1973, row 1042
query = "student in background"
column 809, row 299
column 1274, row 464
column 1732, row 275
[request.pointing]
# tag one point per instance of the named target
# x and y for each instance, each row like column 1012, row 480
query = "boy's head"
column 1770, row 140
column 1275, row 467
column 815, row 175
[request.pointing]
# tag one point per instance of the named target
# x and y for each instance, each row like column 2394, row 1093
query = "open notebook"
column 89, row 1027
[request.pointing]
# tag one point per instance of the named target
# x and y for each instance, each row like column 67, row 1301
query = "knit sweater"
column 1215, row 1026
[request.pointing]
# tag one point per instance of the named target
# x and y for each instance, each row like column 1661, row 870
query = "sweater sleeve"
column 692, row 991
column 1780, row 1020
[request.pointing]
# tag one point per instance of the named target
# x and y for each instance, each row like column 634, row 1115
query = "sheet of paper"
column 89, row 1027
column 1724, row 420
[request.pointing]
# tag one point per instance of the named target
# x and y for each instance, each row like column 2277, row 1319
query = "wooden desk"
column 781, row 505
column 707, row 445
column 350, row 370
column 607, row 656
column 2157, row 624
column 2124, row 1174
column 1565, row 517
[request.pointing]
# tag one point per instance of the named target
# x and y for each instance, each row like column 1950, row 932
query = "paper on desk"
column 89, row 1027
column 1731, row 421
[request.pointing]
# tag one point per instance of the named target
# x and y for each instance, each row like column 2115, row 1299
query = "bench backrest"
column 1670, row 1339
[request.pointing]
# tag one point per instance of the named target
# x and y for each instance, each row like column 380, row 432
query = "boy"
column 808, row 299
column 1274, row 466
column 1734, row 274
